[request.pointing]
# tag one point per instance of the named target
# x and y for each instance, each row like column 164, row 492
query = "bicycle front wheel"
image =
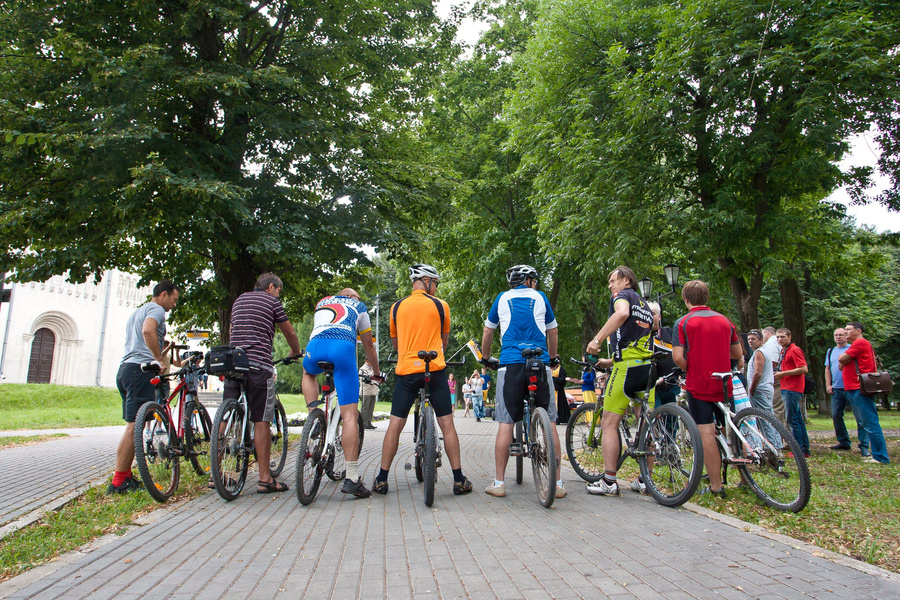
column 229, row 450
column 197, row 428
column 429, row 466
column 583, row 446
column 780, row 481
column 279, row 429
column 670, row 454
column 520, row 460
column 543, row 456
column 156, row 451
column 309, row 459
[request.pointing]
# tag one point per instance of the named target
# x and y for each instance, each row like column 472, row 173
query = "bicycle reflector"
column 221, row 378
column 533, row 379
column 326, row 388
column 155, row 380
column 532, row 388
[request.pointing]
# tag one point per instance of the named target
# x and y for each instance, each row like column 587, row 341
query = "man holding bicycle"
column 629, row 327
column 336, row 322
column 421, row 322
column 144, row 342
column 526, row 321
column 254, row 316
column 705, row 343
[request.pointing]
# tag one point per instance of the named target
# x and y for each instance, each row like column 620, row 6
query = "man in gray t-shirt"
column 144, row 337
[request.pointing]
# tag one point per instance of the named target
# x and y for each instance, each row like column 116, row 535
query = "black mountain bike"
column 536, row 441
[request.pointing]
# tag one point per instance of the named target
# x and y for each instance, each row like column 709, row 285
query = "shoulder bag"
column 879, row 382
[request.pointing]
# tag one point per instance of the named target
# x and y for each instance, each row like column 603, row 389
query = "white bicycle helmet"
column 419, row 271
column 518, row 274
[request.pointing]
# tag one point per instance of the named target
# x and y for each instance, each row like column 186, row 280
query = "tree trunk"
column 746, row 298
column 237, row 276
column 590, row 325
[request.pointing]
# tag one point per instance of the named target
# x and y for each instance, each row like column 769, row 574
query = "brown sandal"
column 268, row 487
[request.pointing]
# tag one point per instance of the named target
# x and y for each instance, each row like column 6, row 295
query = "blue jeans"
column 762, row 399
column 839, row 401
column 792, row 401
column 867, row 413
column 478, row 405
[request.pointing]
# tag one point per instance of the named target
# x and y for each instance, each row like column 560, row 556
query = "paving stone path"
column 474, row 546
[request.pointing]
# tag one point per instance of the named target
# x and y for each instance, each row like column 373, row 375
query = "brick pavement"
column 34, row 476
column 475, row 546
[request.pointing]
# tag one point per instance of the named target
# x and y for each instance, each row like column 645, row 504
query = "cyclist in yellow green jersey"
column 629, row 330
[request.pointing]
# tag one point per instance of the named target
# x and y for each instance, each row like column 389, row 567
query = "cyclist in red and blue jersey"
column 336, row 322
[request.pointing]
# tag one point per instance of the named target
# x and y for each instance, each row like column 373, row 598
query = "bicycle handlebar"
column 289, row 359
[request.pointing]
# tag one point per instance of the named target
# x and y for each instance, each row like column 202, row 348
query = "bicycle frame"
column 729, row 428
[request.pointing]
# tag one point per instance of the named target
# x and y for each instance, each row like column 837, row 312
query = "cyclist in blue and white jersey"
column 336, row 322
column 526, row 321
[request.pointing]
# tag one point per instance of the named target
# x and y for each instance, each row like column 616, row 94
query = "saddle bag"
column 227, row 360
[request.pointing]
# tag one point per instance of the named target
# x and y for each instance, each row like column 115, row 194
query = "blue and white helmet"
column 518, row 274
column 419, row 271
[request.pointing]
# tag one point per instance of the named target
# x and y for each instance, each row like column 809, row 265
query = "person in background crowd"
column 477, row 396
column 761, row 383
column 451, row 381
column 793, row 368
column 862, row 355
column 369, row 395
column 562, row 403
column 834, row 385
column 774, row 351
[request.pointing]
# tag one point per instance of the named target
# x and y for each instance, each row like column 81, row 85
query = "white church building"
column 67, row 333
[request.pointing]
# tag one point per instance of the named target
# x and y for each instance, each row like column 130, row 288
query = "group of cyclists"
column 421, row 322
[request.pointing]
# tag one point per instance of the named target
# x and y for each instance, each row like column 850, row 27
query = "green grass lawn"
column 10, row 441
column 294, row 403
column 43, row 406
column 889, row 419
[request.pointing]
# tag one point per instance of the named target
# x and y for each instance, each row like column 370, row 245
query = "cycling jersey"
column 524, row 316
column 417, row 322
column 340, row 318
column 630, row 340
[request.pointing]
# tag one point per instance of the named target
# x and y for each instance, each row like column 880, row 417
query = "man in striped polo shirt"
column 254, row 316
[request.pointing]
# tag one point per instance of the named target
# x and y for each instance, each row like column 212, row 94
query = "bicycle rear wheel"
column 543, row 456
column 229, row 450
column 156, row 451
column 197, row 427
column 279, row 428
column 419, row 449
column 780, row 481
column 430, row 460
column 670, row 440
column 309, row 459
column 520, row 460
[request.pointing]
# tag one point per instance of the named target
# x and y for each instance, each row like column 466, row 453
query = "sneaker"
column 602, row 488
column 498, row 491
column 380, row 487
column 638, row 486
column 129, row 485
column 719, row 492
column 839, row 447
column 462, row 487
column 357, row 488
column 561, row 491
column 872, row 460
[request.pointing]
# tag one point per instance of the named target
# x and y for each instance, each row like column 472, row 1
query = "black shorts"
column 513, row 388
column 408, row 386
column 260, row 394
column 135, row 388
column 703, row 412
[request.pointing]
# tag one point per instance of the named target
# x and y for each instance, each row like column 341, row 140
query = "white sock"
column 498, row 483
column 352, row 470
column 559, row 483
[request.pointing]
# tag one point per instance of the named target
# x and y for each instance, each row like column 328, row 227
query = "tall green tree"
column 210, row 140
column 701, row 125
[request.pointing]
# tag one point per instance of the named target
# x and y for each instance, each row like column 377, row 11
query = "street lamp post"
column 672, row 272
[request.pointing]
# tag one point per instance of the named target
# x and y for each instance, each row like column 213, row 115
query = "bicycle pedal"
column 516, row 450
column 408, row 466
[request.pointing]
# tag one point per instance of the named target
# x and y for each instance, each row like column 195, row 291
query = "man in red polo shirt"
column 862, row 357
column 705, row 342
column 791, row 375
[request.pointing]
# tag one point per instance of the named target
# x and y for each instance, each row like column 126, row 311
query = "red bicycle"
column 176, row 427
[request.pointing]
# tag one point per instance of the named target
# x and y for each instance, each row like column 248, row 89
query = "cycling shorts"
column 704, row 412
column 627, row 380
column 512, row 390
column 342, row 354
column 408, row 386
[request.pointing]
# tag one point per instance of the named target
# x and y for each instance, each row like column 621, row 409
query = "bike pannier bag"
column 226, row 359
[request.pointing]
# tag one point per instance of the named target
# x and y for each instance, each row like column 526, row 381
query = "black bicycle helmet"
column 419, row 271
column 518, row 274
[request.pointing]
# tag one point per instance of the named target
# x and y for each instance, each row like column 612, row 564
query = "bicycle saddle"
column 662, row 355
column 531, row 352
column 427, row 355
column 325, row 365
column 722, row 376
